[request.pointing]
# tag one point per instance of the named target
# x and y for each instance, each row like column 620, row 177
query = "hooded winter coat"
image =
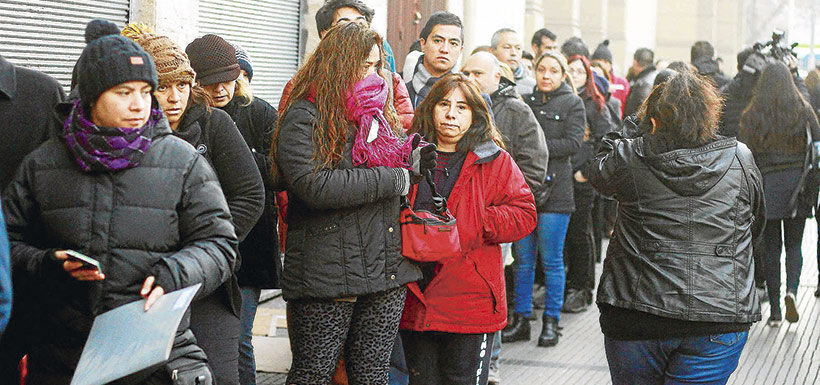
column 492, row 205
column 343, row 222
column 522, row 135
column 166, row 217
column 562, row 117
column 687, row 218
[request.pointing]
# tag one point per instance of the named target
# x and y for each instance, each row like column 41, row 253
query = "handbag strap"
column 438, row 200
column 807, row 166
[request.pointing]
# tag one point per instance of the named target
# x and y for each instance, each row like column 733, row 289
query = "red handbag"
column 429, row 236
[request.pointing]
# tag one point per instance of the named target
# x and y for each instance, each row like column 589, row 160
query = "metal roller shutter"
column 267, row 29
column 47, row 35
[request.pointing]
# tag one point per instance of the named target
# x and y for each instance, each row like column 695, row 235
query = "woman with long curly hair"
column 345, row 163
column 774, row 126
column 452, row 313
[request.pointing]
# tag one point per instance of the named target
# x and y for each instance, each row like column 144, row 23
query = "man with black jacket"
column 27, row 119
column 702, row 56
column 641, row 78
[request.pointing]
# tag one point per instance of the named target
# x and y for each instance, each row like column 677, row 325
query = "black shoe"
column 817, row 292
column 791, row 308
column 517, row 330
column 575, row 301
column 549, row 332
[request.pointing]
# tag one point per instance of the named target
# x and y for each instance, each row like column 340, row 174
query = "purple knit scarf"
column 364, row 104
column 107, row 148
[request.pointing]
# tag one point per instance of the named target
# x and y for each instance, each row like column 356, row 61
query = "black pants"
column 320, row 330
column 579, row 247
column 791, row 239
column 438, row 358
column 217, row 328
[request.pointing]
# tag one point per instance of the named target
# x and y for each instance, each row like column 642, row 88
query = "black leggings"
column 579, row 248
column 319, row 330
column 786, row 234
column 438, row 358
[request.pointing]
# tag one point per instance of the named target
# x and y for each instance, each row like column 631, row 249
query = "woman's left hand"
column 150, row 292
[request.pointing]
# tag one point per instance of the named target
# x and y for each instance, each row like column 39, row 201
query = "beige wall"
column 176, row 19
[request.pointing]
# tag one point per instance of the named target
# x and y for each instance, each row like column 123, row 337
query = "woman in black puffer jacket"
column 560, row 112
column 774, row 127
column 118, row 187
column 344, row 276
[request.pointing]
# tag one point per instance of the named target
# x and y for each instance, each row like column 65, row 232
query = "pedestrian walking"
column 141, row 201
column 344, row 277
column 677, row 291
column 452, row 312
column 560, row 113
column 579, row 249
column 775, row 126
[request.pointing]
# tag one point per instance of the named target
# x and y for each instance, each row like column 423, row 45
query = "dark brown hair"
column 686, row 109
column 327, row 77
column 775, row 119
column 482, row 129
column 200, row 96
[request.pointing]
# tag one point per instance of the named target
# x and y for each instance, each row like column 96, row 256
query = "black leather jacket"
column 682, row 246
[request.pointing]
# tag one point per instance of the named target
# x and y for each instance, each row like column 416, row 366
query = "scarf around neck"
column 376, row 144
column 107, row 148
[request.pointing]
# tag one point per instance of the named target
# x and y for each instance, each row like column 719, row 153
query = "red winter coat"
column 619, row 88
column 492, row 205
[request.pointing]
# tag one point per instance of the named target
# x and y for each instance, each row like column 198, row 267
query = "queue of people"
column 180, row 176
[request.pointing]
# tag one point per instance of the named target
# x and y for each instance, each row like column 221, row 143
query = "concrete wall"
column 176, row 19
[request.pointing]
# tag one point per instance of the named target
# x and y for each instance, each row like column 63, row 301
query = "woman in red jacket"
column 450, row 314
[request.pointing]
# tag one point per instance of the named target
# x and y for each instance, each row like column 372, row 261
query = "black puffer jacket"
column 166, row 217
column 523, row 136
column 343, row 223
column 261, row 262
column 639, row 90
column 682, row 247
column 215, row 136
column 562, row 117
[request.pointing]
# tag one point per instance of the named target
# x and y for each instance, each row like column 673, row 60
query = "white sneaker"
column 494, row 375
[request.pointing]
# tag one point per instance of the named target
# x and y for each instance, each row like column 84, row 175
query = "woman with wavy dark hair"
column 452, row 312
column 345, row 163
column 774, row 126
column 677, row 293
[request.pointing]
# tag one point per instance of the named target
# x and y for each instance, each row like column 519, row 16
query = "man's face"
column 547, row 44
column 441, row 49
column 508, row 49
column 345, row 15
column 482, row 70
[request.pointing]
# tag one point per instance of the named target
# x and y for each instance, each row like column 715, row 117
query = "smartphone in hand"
column 88, row 262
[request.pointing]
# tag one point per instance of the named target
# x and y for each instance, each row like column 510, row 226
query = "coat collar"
column 486, row 152
column 8, row 79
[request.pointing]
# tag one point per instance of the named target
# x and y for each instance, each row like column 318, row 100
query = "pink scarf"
column 364, row 105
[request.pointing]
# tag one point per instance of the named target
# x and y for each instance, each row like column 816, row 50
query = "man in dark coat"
column 702, row 56
column 27, row 119
column 27, row 100
column 642, row 76
column 442, row 40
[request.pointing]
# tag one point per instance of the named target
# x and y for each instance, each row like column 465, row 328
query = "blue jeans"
column 547, row 241
column 247, row 364
column 687, row 360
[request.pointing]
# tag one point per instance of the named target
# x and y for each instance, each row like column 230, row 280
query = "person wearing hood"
column 441, row 40
column 506, row 44
column 618, row 86
column 640, row 83
column 215, row 319
column 775, row 125
column 560, row 113
column 140, row 201
column 702, row 56
column 677, row 294
column 580, row 247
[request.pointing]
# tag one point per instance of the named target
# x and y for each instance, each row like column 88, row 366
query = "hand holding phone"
column 80, row 266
